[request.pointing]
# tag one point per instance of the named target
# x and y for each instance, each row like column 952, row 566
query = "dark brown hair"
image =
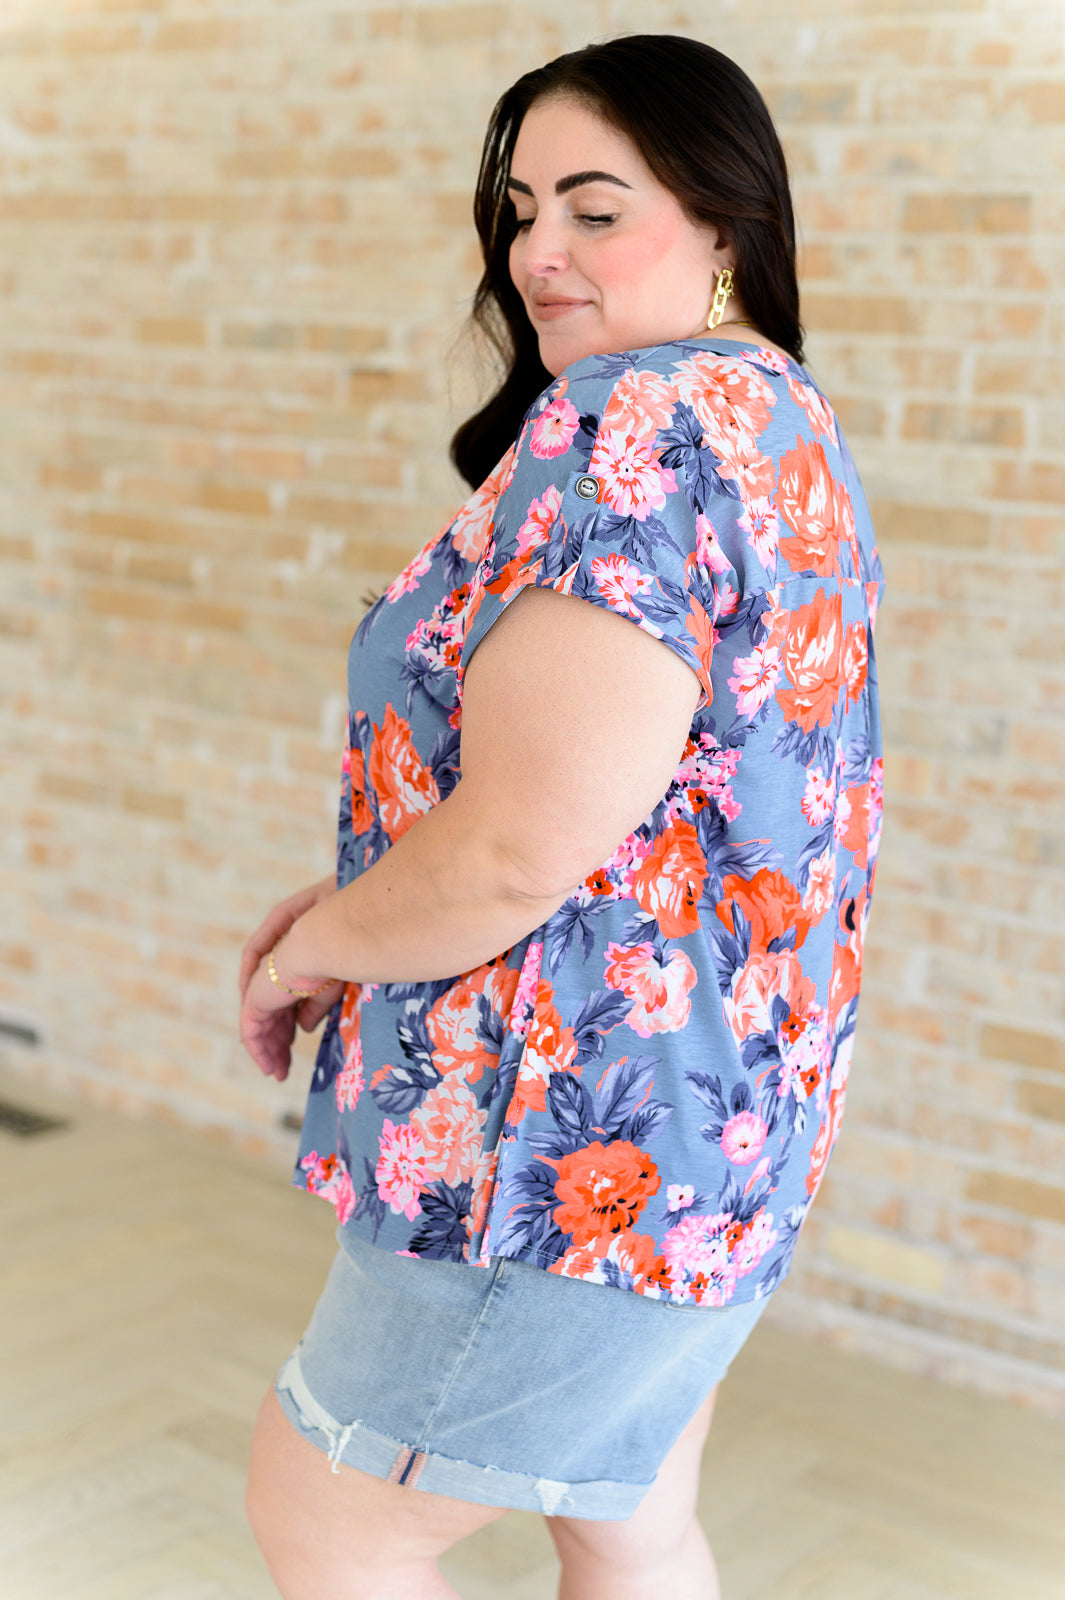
column 705, row 132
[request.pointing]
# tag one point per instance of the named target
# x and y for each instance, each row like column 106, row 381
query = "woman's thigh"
column 662, row 1517
column 346, row 1534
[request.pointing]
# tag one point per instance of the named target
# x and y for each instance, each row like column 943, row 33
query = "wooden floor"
column 151, row 1284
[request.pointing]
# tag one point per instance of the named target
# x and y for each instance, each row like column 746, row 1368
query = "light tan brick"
column 984, row 425
column 894, row 1260
column 172, row 330
column 930, row 525
column 1025, row 1049
column 456, row 23
column 857, row 313
column 1024, row 1195
column 1041, row 1099
column 967, row 213
column 1040, row 102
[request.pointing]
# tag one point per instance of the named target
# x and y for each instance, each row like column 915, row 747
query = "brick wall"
column 235, row 257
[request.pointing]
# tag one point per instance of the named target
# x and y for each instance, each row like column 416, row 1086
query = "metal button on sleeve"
column 587, row 488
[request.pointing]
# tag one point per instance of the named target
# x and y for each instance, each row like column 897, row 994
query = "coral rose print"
column 817, row 507
column 603, row 1189
column 405, row 789
column 670, row 880
column 642, row 404
column 659, row 990
column 813, row 662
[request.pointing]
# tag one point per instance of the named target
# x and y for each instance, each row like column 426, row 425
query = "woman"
column 568, row 1179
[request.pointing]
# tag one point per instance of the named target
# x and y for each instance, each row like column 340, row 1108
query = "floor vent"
column 27, row 1124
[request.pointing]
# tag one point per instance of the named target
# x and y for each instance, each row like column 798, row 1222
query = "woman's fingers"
column 310, row 1012
column 267, row 1036
column 277, row 923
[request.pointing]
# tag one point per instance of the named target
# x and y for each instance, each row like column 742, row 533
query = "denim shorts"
column 506, row 1385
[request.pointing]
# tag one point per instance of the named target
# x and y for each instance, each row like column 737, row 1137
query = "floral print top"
column 644, row 1091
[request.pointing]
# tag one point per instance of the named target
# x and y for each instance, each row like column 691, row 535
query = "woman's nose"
column 542, row 251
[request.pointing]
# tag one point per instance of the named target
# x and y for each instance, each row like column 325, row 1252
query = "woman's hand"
column 268, row 1015
column 277, row 923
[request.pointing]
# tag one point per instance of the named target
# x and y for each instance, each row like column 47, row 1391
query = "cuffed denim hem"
column 353, row 1444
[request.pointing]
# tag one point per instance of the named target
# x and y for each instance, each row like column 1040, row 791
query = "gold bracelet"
column 304, row 994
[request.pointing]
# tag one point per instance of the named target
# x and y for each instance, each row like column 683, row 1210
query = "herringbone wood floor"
column 152, row 1282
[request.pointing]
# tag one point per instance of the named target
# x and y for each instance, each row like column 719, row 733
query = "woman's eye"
column 521, row 223
column 597, row 221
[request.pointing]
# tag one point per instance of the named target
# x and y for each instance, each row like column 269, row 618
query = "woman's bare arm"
column 573, row 724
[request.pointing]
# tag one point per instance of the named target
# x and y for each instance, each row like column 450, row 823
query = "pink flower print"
column 759, row 1236
column 771, row 360
column 349, row 1084
column 627, row 859
column 521, row 1012
column 329, row 1177
column 696, row 1252
column 819, row 797
column 742, row 1138
column 658, row 990
column 726, row 599
column 756, row 678
column 554, row 430
column 708, row 551
column 634, row 484
column 400, row 1170
column 449, row 1121
column 617, row 580
column 821, row 884
column 761, row 524
column 843, row 816
column 679, row 1196
column 539, row 520
column 757, row 1175
column 407, row 581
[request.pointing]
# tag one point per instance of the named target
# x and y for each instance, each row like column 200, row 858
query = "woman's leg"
column 346, row 1535
column 659, row 1550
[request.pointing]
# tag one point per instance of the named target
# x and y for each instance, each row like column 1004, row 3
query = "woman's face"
column 604, row 257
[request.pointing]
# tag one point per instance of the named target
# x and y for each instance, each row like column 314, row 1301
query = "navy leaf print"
column 814, row 847
column 413, row 1035
column 599, row 1013
column 403, row 1089
column 369, row 1204
column 708, row 1090
column 444, row 760
column 570, row 920
column 570, row 1106
column 623, row 1087
column 646, row 1123
column 684, row 450
column 858, row 761
column 612, row 367
column 441, row 1233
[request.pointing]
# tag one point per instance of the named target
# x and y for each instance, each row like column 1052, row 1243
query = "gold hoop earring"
column 722, row 292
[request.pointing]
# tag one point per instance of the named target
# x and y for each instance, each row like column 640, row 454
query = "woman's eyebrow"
column 573, row 181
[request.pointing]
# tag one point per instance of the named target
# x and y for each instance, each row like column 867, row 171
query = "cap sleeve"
column 599, row 505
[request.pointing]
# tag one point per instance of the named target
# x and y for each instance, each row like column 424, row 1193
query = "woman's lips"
column 549, row 310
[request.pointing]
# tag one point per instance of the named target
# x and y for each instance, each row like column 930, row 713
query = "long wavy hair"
column 705, row 132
